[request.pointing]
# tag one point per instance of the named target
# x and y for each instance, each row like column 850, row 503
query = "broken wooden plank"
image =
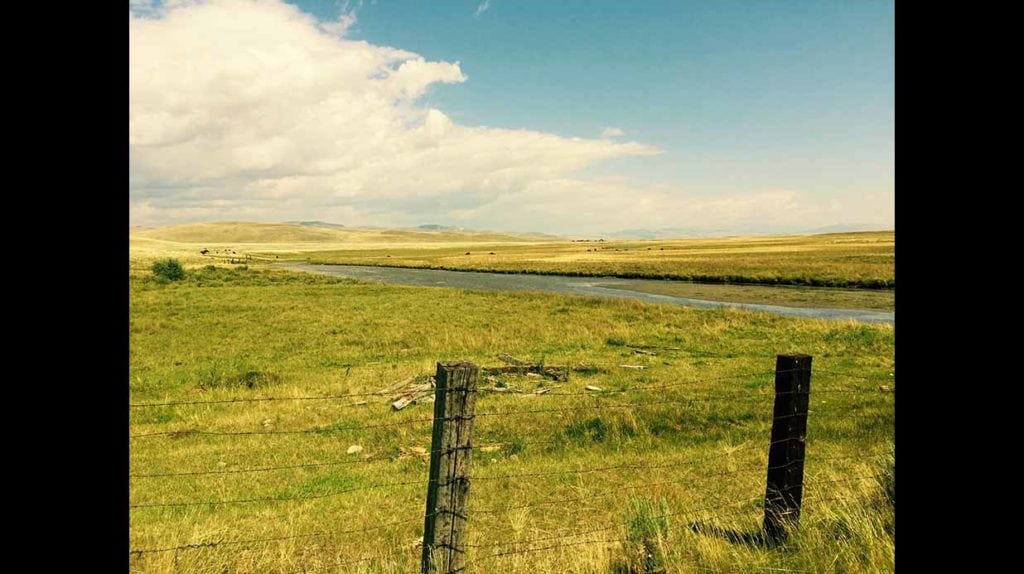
column 405, row 401
column 592, row 388
column 397, row 386
column 412, row 391
column 638, row 367
column 410, row 398
column 642, row 352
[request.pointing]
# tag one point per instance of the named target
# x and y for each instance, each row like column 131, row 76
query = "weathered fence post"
column 444, row 528
column 786, row 450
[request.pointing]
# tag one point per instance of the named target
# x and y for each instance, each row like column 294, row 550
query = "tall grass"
column 206, row 337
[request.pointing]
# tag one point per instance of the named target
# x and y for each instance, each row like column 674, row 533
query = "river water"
column 590, row 286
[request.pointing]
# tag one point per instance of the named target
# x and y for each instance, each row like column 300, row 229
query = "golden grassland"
column 245, row 332
column 729, row 269
column 287, row 234
column 833, row 260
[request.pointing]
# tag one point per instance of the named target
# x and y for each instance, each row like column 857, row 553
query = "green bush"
column 169, row 269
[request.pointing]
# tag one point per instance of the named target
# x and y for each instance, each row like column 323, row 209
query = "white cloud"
column 252, row 109
column 341, row 25
column 610, row 205
column 254, row 105
column 483, row 7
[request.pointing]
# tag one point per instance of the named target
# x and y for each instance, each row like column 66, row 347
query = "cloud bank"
column 252, row 109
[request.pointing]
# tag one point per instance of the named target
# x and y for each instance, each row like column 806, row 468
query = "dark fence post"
column 444, row 528
column 786, row 451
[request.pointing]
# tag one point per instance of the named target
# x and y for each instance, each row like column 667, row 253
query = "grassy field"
column 856, row 260
column 788, row 295
column 228, row 333
column 833, row 260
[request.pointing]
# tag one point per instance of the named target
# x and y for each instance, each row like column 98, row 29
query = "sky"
column 577, row 117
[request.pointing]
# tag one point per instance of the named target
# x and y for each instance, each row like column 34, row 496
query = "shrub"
column 169, row 269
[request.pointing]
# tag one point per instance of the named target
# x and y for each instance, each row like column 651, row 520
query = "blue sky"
column 731, row 108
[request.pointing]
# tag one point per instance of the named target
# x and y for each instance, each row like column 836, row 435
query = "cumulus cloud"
column 241, row 103
column 483, row 7
column 339, row 26
column 252, row 109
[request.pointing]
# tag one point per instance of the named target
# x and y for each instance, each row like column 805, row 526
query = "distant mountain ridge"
column 226, row 232
column 323, row 224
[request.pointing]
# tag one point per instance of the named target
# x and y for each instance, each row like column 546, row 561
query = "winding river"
column 591, row 286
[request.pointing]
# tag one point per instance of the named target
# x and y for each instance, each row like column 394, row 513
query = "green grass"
column 206, row 337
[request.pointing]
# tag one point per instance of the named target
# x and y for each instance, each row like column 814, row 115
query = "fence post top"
column 456, row 364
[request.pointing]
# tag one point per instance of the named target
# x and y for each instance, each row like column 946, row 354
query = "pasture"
column 560, row 479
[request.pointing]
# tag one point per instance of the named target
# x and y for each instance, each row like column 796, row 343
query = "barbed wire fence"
column 456, row 537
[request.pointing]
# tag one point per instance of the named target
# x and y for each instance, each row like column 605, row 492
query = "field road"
column 591, row 286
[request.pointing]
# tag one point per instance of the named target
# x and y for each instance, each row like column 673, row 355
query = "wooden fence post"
column 444, row 528
column 786, row 451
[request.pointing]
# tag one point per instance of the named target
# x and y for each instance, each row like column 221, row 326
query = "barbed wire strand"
column 818, row 372
column 272, row 499
column 211, row 544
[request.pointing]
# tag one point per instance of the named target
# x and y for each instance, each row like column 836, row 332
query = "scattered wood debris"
column 354, row 449
column 638, row 367
column 643, row 352
column 592, row 388
column 515, row 365
column 405, row 453
column 541, row 391
column 885, row 389
column 555, row 373
column 490, row 448
column 397, row 386
column 409, row 392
